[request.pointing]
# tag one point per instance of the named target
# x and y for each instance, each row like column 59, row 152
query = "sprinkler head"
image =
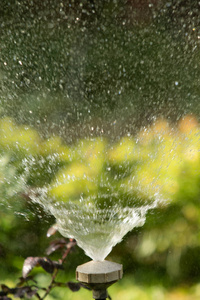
column 98, row 276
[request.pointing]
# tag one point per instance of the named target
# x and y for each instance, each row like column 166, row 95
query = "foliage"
column 161, row 163
column 27, row 287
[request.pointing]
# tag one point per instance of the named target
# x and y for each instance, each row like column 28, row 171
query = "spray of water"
column 62, row 78
column 96, row 229
column 99, row 191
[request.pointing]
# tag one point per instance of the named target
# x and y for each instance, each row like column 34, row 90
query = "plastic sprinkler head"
column 98, row 276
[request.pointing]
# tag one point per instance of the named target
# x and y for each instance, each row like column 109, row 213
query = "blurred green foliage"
column 161, row 162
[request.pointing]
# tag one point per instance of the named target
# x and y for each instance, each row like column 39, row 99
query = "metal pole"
column 100, row 294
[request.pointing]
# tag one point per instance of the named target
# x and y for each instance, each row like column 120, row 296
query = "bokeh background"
column 116, row 77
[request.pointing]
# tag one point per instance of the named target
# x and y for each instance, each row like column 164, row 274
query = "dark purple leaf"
column 22, row 280
column 29, row 264
column 55, row 245
column 4, row 298
column 52, row 230
column 5, row 288
column 73, row 286
column 30, row 294
column 18, row 292
column 25, row 291
column 53, row 248
column 47, row 264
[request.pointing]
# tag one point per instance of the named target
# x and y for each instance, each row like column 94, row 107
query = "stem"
column 38, row 296
column 65, row 255
column 53, row 283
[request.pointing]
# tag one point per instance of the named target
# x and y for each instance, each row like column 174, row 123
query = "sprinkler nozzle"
column 98, row 276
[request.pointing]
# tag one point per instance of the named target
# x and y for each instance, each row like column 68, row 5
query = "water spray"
column 98, row 276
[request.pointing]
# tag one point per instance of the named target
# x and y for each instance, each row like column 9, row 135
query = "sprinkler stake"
column 98, row 276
